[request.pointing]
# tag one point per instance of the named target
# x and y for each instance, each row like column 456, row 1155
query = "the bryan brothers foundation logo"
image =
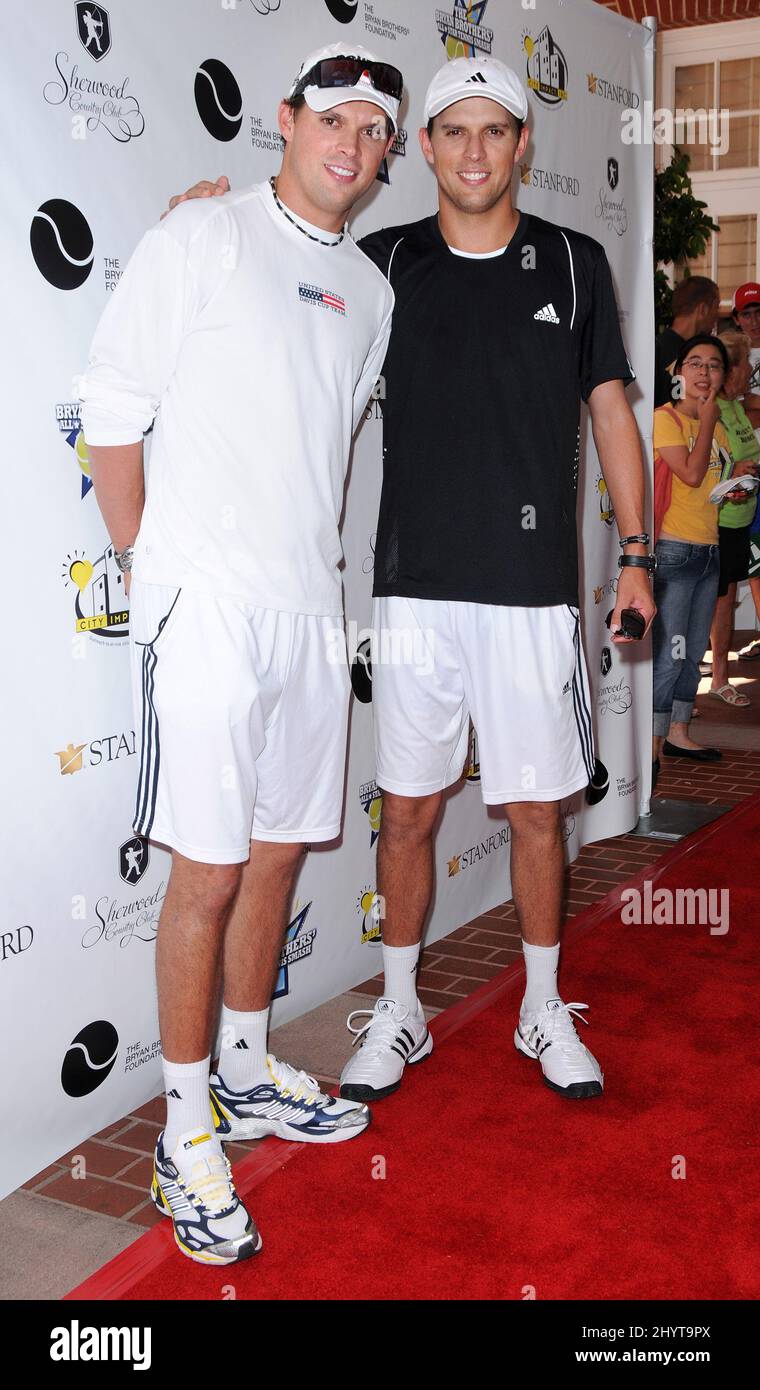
column 371, row 799
column 328, row 299
column 612, row 211
column 462, row 32
column 99, row 599
column 69, row 422
column 298, row 945
column 547, row 68
column 95, row 102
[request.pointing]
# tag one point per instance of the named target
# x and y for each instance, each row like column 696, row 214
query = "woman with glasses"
column 692, row 445
column 734, row 518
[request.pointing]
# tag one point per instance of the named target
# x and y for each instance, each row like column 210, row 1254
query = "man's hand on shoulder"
column 204, row 189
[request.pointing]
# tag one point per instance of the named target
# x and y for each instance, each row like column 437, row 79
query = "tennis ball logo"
column 599, row 785
column 89, row 1059
column 62, row 244
column 218, row 99
column 342, row 10
column 361, row 672
column 81, row 455
column 375, row 813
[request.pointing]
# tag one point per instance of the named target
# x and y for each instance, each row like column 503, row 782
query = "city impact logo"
column 369, row 905
column 547, row 68
column 99, row 600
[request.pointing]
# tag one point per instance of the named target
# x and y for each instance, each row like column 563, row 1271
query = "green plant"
column 681, row 230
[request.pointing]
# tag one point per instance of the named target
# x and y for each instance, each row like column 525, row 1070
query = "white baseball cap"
column 476, row 77
column 324, row 98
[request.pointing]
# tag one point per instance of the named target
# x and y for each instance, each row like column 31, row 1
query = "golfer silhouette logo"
column 94, row 29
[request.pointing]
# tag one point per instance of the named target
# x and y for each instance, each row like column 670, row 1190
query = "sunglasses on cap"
column 345, row 72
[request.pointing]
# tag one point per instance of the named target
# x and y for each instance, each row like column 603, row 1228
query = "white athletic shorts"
column 519, row 673
column 241, row 722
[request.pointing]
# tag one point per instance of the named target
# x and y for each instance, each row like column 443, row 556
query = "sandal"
column 750, row 652
column 730, row 696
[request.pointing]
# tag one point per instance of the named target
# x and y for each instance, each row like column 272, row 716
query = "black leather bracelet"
column 643, row 539
column 640, row 562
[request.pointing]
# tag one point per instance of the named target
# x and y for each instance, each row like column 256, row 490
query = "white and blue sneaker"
column 289, row 1105
column 549, row 1037
column 392, row 1037
column 194, row 1187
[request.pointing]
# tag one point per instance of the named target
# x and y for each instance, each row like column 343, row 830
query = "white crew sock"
column 541, row 964
column 243, row 1055
column 400, row 966
column 187, row 1100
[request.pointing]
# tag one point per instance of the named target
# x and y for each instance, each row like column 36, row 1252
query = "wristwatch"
column 124, row 557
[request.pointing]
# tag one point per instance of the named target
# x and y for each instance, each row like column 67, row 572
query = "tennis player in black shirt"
column 503, row 323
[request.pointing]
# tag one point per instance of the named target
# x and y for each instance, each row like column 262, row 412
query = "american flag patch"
column 312, row 294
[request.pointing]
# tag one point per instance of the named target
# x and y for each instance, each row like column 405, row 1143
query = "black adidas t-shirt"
column 487, row 364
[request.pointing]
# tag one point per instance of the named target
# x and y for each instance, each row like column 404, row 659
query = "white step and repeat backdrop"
column 107, row 111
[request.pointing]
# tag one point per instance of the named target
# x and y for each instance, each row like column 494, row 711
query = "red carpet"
column 494, row 1183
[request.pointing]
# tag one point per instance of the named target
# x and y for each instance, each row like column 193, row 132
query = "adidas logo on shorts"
column 547, row 315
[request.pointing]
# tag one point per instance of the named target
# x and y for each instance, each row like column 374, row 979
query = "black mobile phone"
column 632, row 623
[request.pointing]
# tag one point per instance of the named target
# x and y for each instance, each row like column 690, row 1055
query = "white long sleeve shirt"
column 255, row 350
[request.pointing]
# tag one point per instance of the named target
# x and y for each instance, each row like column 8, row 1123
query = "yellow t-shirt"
column 690, row 517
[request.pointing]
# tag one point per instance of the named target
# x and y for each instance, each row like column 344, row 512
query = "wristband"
column 641, row 562
column 643, row 539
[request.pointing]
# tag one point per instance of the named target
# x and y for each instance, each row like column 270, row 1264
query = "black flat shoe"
column 697, row 755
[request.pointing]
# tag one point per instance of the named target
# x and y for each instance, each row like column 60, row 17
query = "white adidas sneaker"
column 194, row 1187
column 392, row 1036
column 549, row 1037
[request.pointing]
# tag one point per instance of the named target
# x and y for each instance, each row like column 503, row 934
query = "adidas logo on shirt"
column 547, row 315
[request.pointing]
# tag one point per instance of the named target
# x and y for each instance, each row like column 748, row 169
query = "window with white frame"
column 716, row 67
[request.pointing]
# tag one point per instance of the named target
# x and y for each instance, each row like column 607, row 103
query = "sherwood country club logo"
column 94, row 101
